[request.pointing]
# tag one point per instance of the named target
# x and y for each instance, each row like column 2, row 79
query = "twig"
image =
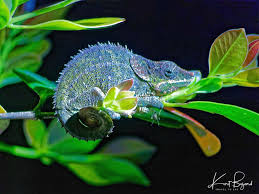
column 27, row 115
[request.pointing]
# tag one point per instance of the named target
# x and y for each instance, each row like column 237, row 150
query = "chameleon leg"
column 113, row 115
column 99, row 93
column 150, row 101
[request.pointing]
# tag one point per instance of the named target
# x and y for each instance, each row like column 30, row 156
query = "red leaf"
column 125, row 85
column 208, row 142
column 253, row 43
column 252, row 37
column 252, row 53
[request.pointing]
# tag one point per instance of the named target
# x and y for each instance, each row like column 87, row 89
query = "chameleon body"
column 103, row 66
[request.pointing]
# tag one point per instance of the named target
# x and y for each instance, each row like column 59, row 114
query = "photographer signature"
column 235, row 183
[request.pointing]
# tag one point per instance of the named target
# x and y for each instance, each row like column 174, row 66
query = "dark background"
column 180, row 31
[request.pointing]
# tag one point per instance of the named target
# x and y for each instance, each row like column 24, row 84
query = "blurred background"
column 179, row 31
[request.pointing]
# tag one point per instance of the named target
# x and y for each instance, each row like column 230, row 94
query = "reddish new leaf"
column 208, row 142
column 252, row 53
column 252, row 37
column 253, row 43
column 125, row 85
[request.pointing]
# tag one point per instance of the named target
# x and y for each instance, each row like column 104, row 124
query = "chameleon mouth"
column 196, row 75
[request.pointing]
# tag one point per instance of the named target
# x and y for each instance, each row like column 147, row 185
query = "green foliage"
column 86, row 24
column 228, row 52
column 4, row 14
column 242, row 116
column 62, row 142
column 102, row 168
column 27, row 57
column 248, row 78
column 102, row 171
column 207, row 85
column 22, row 1
column 7, row 9
column 131, row 148
column 41, row 85
column 231, row 63
column 96, row 169
column 44, row 10
column 120, row 100
column 25, row 49
column 34, row 131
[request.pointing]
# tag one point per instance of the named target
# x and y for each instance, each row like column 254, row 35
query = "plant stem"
column 27, row 115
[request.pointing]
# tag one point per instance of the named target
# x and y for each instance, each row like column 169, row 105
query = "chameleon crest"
column 91, row 73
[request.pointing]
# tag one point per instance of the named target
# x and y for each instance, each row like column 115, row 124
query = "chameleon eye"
column 168, row 73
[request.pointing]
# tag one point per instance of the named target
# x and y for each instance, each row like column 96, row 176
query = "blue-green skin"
column 105, row 66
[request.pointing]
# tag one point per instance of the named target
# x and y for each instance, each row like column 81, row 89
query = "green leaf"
column 110, row 96
column 102, row 171
column 14, row 6
column 72, row 145
column 33, row 35
column 42, row 11
column 228, row 52
column 9, row 80
column 41, row 85
column 56, row 132
column 39, row 48
column 30, row 36
column 127, row 104
column 252, row 65
column 86, row 24
column 4, row 14
column 53, row 15
column 34, row 131
column 22, row 1
column 8, row 4
column 100, row 22
column 207, row 85
column 3, row 123
column 125, row 94
column 160, row 117
column 61, row 142
column 130, row 148
column 248, row 78
column 241, row 116
column 2, row 37
column 27, row 57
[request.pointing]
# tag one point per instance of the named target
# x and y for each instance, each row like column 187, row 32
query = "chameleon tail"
column 89, row 124
column 208, row 142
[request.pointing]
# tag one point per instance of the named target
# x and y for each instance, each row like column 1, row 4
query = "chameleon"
column 94, row 70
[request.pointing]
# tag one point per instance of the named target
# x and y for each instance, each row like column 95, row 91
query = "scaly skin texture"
column 105, row 66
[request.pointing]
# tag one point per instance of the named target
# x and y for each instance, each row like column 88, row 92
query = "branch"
column 27, row 115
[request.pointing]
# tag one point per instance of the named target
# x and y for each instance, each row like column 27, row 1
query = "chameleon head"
column 164, row 77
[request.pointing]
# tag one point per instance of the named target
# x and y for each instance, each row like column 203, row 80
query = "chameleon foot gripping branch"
column 102, row 67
